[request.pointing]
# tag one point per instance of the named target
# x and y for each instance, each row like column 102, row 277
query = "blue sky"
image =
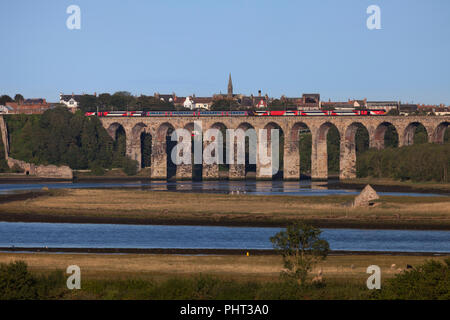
column 281, row 47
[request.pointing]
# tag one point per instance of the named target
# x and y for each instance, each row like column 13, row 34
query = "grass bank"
column 133, row 206
column 208, row 277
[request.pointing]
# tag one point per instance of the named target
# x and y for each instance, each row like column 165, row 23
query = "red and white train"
column 289, row 113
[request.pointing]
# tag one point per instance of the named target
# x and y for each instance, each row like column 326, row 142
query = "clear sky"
column 190, row 46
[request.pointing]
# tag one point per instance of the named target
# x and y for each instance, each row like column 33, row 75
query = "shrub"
column 130, row 167
column 16, row 283
column 430, row 281
column 97, row 170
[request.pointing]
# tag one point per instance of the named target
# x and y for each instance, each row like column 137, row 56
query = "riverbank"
column 116, row 206
column 390, row 185
column 163, row 266
column 169, row 277
column 214, row 252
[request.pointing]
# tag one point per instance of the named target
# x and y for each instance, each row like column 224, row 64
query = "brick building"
column 29, row 106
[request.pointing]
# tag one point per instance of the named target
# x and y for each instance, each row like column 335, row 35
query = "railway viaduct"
column 376, row 126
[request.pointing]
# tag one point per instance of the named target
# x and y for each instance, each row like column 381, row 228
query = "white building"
column 189, row 103
column 5, row 109
column 70, row 101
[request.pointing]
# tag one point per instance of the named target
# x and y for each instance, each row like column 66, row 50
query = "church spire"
column 230, row 87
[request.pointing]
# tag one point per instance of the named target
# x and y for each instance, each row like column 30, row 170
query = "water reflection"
column 253, row 187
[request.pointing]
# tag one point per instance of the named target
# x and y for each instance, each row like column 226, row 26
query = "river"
column 58, row 235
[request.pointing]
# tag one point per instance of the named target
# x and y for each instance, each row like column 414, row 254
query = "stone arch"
column 293, row 159
column 274, row 168
column 378, row 139
column 134, row 143
column 146, row 144
column 162, row 165
column 112, row 129
column 212, row 171
column 348, row 151
column 189, row 171
column 319, row 159
column 120, row 138
column 410, row 132
column 238, row 171
column 439, row 132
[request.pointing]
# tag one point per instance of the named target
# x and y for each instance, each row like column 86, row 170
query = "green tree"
column 88, row 103
column 224, row 105
column 301, row 248
column 18, row 98
column 5, row 98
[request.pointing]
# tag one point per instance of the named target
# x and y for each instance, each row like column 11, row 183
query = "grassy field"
column 205, row 277
column 153, row 207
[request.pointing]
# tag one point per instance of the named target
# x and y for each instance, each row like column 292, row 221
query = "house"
column 70, row 101
column 405, row 109
column 189, row 103
column 385, row 105
column 29, row 106
column 203, row 102
column 170, row 98
column 358, row 104
column 6, row 109
column 310, row 101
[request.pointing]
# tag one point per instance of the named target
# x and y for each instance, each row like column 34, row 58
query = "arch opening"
column 442, row 133
column 326, row 152
column 119, row 146
column 385, row 136
column 415, row 133
column 146, row 149
column 356, row 141
column 298, row 151
column 162, row 145
column 274, row 146
column 221, row 170
column 246, row 170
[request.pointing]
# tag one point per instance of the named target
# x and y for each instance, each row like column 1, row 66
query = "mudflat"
column 133, row 206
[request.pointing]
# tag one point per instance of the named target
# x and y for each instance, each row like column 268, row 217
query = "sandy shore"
column 116, row 206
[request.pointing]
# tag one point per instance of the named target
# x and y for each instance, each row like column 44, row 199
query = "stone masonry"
column 160, row 127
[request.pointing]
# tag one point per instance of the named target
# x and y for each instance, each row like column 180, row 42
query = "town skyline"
column 280, row 49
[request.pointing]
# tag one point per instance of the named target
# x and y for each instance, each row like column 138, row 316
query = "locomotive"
column 258, row 113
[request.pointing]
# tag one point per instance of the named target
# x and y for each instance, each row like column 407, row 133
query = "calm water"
column 293, row 188
column 203, row 237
